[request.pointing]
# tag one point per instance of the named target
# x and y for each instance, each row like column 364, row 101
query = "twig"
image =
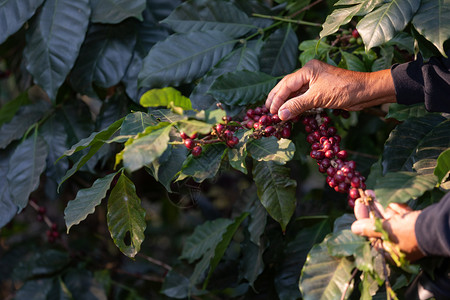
column 155, row 261
column 141, row 276
column 347, row 285
column 301, row 22
column 305, row 8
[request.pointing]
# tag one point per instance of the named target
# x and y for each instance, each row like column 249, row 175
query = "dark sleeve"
column 433, row 228
column 428, row 82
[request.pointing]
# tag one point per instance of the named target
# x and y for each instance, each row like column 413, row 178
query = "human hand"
column 399, row 222
column 318, row 84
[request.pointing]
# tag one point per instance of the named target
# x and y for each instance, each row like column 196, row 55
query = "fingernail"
column 357, row 228
column 284, row 114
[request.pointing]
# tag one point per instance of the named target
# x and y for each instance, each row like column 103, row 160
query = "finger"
column 399, row 208
column 365, row 227
column 289, row 85
column 295, row 106
column 272, row 93
column 361, row 210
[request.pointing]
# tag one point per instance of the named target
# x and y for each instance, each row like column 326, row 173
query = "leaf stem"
column 305, row 8
column 347, row 285
column 281, row 19
column 155, row 261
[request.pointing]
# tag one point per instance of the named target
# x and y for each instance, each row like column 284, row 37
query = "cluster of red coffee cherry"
column 325, row 149
column 52, row 233
column 259, row 120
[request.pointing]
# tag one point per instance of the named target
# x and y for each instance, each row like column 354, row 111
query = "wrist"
column 379, row 86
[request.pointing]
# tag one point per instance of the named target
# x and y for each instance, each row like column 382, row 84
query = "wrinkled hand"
column 318, row 84
column 399, row 222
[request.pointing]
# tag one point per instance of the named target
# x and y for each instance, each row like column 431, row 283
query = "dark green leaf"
column 443, row 166
column 432, row 20
column 177, row 286
column 181, row 58
column 276, row 190
column 238, row 154
column 104, row 56
column 251, row 263
column 165, row 171
column 385, row 61
column 37, row 289
column 41, row 262
column 403, row 112
column 165, row 97
column 324, row 276
column 311, row 49
column 295, row 254
column 242, row 87
column 146, row 148
column 126, row 217
column 7, row 208
column 161, row 9
column 8, row 110
column 382, row 24
column 401, row 187
column 82, row 285
column 56, row 137
column 206, row 165
column 115, row 11
column 352, row 62
column 202, row 15
column 243, row 58
column 271, row 149
column 54, row 41
column 95, row 137
column 25, row 117
column 416, row 139
column 280, row 52
column 26, row 165
column 222, row 246
column 13, row 14
column 86, row 200
column 135, row 123
column 166, row 115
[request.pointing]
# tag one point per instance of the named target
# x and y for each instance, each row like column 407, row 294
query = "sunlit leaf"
column 165, row 97
column 271, row 149
column 443, row 165
column 400, row 187
column 126, row 217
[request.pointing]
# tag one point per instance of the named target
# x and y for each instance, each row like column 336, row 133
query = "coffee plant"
column 138, row 161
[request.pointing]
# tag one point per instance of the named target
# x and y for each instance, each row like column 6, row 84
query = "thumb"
column 365, row 227
column 294, row 107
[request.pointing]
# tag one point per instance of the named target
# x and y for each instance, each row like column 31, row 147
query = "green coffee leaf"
column 9, row 109
column 115, row 11
column 242, row 87
column 58, row 29
column 165, row 97
column 86, row 200
column 146, row 148
column 135, row 123
column 432, row 20
column 383, row 23
column 201, row 15
column 14, row 14
column 324, row 276
column 443, row 166
column 414, row 140
column 126, row 217
column 276, row 190
column 271, row 149
column 206, row 165
column 403, row 112
column 400, row 187
column 191, row 127
column 183, row 58
column 280, row 52
column 26, row 165
column 346, row 243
